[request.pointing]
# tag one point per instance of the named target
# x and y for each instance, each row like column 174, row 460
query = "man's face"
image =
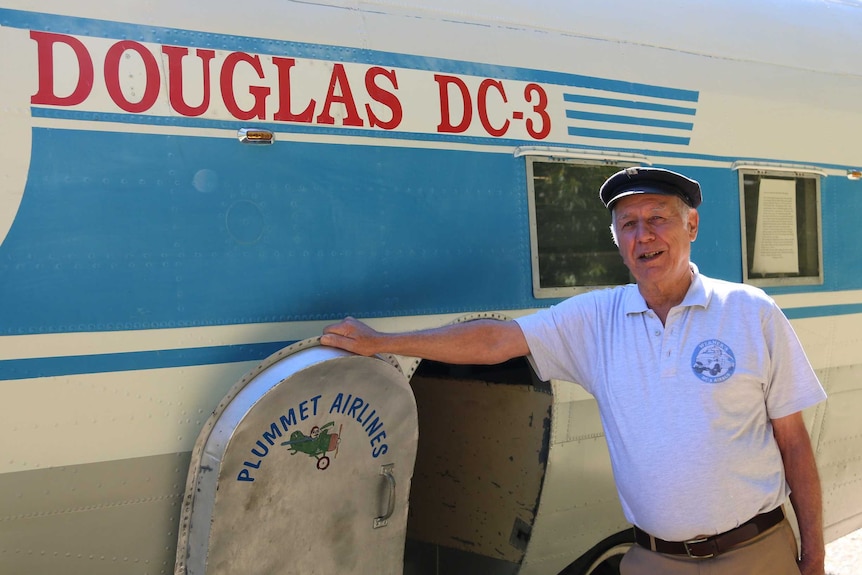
column 655, row 236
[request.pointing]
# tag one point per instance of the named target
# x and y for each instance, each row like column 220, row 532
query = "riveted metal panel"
column 303, row 468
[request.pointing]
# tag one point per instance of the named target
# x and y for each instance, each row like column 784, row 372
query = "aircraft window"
column 781, row 231
column 572, row 247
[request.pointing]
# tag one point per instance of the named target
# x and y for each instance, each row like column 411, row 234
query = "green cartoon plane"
column 317, row 443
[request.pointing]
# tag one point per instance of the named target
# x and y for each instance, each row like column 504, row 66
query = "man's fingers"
column 327, row 339
column 343, row 334
column 340, row 328
column 335, row 340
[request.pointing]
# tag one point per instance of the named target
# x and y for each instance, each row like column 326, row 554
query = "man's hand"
column 809, row 566
column 352, row 335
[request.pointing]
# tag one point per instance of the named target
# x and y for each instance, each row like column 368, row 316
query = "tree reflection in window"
column 575, row 247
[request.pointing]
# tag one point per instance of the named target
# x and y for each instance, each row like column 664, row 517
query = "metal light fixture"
column 255, row 136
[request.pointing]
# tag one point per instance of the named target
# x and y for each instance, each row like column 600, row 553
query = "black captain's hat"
column 644, row 180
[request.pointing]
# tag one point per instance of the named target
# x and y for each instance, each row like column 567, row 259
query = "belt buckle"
column 695, row 542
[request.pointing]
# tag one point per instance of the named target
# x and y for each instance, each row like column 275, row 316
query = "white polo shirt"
column 686, row 406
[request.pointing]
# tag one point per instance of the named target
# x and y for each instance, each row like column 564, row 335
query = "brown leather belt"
column 706, row 547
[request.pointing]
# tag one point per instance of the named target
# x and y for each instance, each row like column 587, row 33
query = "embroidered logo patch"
column 713, row 361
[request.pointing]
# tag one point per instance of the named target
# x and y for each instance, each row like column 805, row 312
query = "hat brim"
column 644, row 190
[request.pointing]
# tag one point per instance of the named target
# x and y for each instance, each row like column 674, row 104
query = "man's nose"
column 644, row 232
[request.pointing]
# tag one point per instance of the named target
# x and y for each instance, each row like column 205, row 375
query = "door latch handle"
column 386, row 471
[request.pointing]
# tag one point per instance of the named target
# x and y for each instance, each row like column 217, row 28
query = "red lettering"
column 112, row 77
column 386, row 98
column 541, row 109
column 45, row 56
column 345, row 97
column 175, row 79
column 284, row 114
column 482, row 103
column 259, row 93
column 443, row 82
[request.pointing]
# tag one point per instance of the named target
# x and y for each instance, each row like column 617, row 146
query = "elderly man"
column 700, row 384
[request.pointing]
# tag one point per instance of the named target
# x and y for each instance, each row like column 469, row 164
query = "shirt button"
column 657, row 333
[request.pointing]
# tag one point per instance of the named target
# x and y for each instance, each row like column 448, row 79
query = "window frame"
column 795, row 172
column 576, row 158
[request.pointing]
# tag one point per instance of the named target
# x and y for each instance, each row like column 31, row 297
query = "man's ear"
column 693, row 222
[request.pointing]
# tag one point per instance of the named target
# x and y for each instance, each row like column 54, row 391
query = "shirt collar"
column 698, row 295
column 699, row 291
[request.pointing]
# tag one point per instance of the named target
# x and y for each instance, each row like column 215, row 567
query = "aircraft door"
column 304, row 468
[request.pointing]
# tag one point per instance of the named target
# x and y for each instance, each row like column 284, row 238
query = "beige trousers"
column 773, row 552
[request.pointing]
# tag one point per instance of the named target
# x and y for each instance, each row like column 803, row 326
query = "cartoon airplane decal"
column 316, row 444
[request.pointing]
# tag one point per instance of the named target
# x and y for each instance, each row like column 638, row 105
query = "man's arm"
column 806, row 497
column 473, row 342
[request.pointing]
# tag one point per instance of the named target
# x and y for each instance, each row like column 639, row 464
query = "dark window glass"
column 575, row 247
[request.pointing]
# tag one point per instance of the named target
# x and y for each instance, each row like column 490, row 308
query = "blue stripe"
column 615, row 135
column 133, row 361
column 616, row 119
column 190, row 38
column 184, row 122
column 823, row 311
column 204, row 231
column 59, row 113
column 575, row 98
column 14, row 369
column 292, row 128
